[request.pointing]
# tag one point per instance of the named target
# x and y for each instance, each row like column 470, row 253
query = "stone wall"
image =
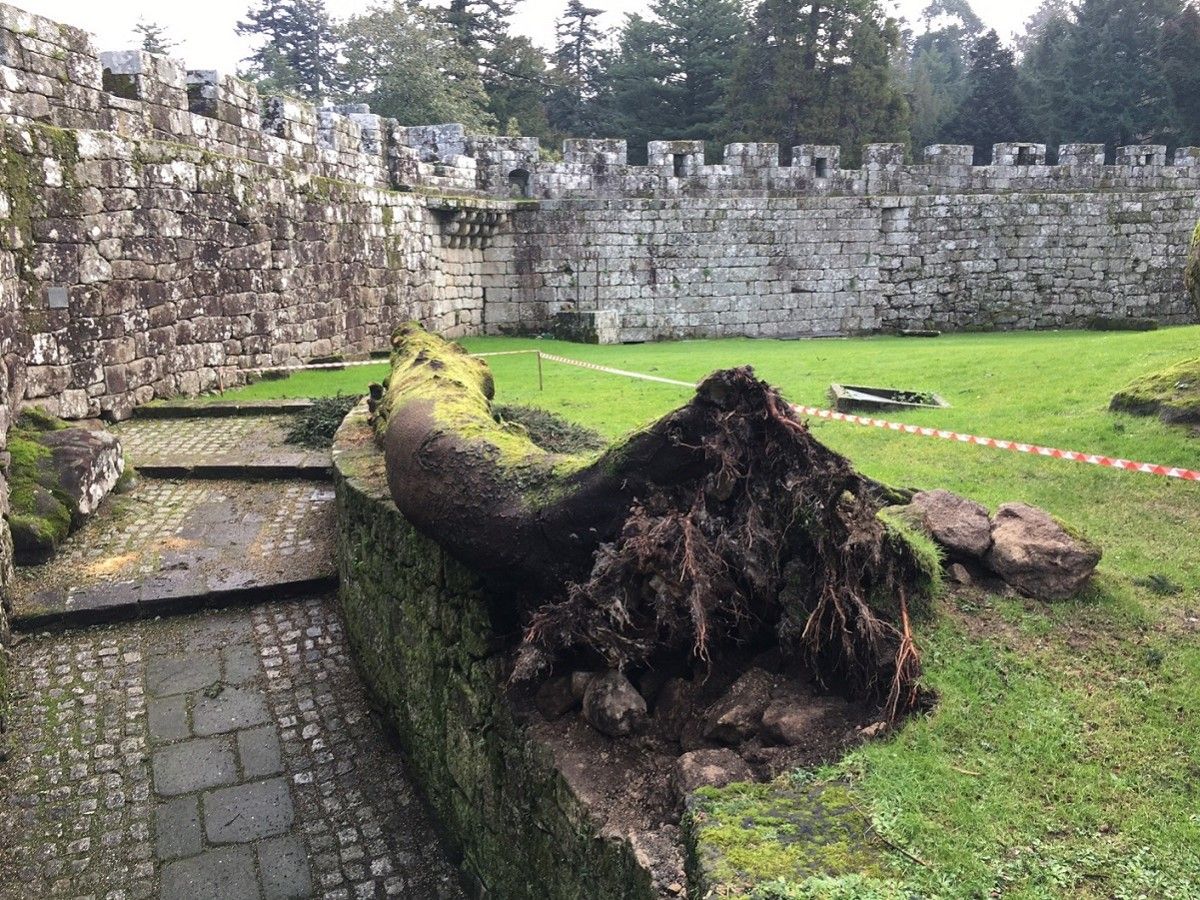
column 422, row 632
column 802, row 266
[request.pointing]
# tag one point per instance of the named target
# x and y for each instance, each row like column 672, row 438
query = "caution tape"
column 1095, row 459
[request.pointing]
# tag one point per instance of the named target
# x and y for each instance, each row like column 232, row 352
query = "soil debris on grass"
column 316, row 426
column 549, row 430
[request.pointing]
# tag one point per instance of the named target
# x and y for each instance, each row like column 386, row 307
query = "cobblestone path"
column 220, row 755
column 217, row 755
column 229, row 442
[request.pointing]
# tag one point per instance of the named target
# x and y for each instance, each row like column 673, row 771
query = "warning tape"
column 382, row 361
column 1094, row 459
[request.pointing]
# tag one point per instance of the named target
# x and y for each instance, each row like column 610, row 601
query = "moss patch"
column 777, row 841
column 1173, row 394
column 39, row 511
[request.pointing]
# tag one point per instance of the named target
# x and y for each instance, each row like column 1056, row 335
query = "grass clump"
column 316, row 426
column 1173, row 393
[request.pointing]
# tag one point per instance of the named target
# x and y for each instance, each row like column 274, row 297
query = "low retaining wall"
column 422, row 634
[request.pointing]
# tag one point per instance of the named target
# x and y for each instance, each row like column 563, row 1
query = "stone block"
column 248, row 812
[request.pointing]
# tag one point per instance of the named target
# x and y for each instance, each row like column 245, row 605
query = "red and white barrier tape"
column 1094, row 459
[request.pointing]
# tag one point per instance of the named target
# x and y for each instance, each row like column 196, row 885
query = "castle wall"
column 836, row 264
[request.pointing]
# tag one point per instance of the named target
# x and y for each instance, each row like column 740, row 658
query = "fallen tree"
column 720, row 524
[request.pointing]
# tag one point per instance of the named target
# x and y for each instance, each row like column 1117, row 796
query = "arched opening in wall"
column 518, row 182
column 678, row 160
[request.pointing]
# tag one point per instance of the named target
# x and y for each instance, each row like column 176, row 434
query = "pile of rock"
column 1025, row 546
column 755, row 726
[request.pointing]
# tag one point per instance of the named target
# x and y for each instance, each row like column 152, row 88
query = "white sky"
column 207, row 39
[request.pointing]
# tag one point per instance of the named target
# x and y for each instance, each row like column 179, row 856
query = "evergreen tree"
column 936, row 72
column 1181, row 66
column 409, row 66
column 818, row 72
column 479, row 25
column 1042, row 75
column 1115, row 72
column 575, row 105
column 992, row 110
column 639, row 98
column 298, row 55
column 154, row 37
column 701, row 39
column 516, row 81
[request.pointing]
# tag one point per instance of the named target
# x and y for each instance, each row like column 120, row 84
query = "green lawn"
column 1063, row 759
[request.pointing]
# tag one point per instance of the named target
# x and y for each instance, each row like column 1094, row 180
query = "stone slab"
column 284, row 867
column 248, row 812
column 226, row 873
column 177, row 828
column 193, row 766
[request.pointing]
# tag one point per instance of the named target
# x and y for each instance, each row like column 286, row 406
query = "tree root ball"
column 722, row 524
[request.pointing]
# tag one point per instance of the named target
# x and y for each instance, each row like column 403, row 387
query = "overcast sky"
column 204, row 28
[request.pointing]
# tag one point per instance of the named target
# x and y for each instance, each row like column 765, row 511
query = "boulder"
column 1034, row 553
column 792, row 717
column 737, row 716
column 959, row 525
column 58, row 474
column 708, row 768
column 612, row 705
column 555, row 697
column 87, row 464
column 673, row 707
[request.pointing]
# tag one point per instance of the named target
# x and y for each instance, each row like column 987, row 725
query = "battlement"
column 51, row 73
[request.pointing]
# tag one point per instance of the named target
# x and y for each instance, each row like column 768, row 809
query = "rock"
column 88, row 463
column 959, row 525
column 612, row 705
column 675, row 704
column 959, row 574
column 708, row 768
column 737, row 716
column 580, row 682
column 872, row 731
column 792, row 717
column 1033, row 553
column 555, row 697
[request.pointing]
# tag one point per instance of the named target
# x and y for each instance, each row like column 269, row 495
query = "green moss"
column 776, row 837
column 1172, row 393
column 39, row 511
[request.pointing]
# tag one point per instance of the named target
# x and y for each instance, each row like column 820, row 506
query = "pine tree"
column 516, row 80
column 479, row 25
column 936, row 71
column 1115, row 72
column 1042, row 76
column 409, row 66
column 1181, row 66
column 154, row 37
column 818, row 72
column 299, row 55
column 575, row 103
column 639, row 97
column 992, row 110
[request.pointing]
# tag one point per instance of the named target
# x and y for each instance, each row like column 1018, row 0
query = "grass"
column 1062, row 759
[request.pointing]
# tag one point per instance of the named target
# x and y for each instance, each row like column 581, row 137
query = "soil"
column 627, row 782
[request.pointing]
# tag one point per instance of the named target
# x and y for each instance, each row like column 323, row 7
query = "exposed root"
column 778, row 533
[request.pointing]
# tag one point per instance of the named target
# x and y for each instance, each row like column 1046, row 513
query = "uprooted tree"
column 722, row 523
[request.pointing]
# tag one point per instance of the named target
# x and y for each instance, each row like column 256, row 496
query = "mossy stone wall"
column 420, row 628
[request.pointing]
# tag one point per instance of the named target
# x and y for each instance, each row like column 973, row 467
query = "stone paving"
column 172, row 540
column 225, row 444
column 219, row 755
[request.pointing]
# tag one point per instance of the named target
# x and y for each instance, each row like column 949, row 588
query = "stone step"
column 177, row 545
column 193, row 409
